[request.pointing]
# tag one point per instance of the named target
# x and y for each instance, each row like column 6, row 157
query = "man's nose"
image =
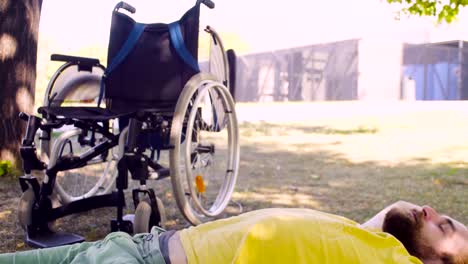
column 429, row 213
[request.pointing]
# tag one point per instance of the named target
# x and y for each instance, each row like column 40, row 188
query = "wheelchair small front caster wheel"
column 143, row 222
column 25, row 208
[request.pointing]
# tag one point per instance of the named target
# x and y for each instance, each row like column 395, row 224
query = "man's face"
column 427, row 234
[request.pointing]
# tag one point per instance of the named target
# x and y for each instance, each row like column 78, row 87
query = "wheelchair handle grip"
column 125, row 6
column 208, row 3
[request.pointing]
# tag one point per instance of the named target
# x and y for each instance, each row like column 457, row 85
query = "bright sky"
column 262, row 24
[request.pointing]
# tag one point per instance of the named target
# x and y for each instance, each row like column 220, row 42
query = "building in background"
column 356, row 69
column 436, row 71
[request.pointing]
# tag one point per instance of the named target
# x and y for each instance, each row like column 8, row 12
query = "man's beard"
column 407, row 229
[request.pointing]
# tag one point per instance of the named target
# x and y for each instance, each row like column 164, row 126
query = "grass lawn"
column 348, row 158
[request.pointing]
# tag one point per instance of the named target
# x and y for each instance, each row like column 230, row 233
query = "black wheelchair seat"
column 93, row 113
column 82, row 113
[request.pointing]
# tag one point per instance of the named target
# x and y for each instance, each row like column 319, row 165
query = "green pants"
column 118, row 247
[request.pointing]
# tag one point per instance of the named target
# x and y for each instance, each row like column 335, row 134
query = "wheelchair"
column 99, row 124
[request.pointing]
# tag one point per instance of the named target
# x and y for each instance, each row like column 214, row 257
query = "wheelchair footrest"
column 53, row 239
column 124, row 225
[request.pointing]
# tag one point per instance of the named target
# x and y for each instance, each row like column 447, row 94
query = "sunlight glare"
column 8, row 46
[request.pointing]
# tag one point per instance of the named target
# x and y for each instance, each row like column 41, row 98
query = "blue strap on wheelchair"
column 123, row 52
column 179, row 45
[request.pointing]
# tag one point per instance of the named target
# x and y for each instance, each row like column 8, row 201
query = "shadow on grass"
column 327, row 181
column 270, row 177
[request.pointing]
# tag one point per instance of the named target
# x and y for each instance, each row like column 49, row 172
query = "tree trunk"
column 19, row 26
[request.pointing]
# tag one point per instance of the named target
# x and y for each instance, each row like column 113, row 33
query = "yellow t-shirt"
column 290, row 236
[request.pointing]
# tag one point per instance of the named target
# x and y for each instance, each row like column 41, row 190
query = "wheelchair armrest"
column 82, row 62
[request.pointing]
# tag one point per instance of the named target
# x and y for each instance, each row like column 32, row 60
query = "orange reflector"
column 200, row 184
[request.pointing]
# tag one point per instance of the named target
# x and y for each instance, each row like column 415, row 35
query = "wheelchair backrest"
column 152, row 75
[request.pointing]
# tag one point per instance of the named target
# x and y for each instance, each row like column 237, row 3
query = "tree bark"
column 19, row 26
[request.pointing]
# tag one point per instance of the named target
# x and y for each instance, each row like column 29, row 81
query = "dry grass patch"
column 339, row 157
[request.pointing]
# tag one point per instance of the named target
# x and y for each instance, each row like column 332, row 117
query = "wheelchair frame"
column 36, row 209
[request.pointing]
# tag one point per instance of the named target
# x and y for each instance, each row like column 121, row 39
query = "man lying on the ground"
column 411, row 234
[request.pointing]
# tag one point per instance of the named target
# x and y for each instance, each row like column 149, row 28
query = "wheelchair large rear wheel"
column 218, row 62
column 70, row 86
column 96, row 178
column 204, row 160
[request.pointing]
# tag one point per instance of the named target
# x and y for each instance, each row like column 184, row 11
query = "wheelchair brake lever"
column 134, row 128
column 34, row 123
column 23, row 116
column 52, row 97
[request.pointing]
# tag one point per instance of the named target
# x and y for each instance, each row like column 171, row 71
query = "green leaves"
column 448, row 13
column 444, row 10
column 5, row 167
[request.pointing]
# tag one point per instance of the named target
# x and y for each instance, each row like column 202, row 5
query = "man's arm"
column 176, row 250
